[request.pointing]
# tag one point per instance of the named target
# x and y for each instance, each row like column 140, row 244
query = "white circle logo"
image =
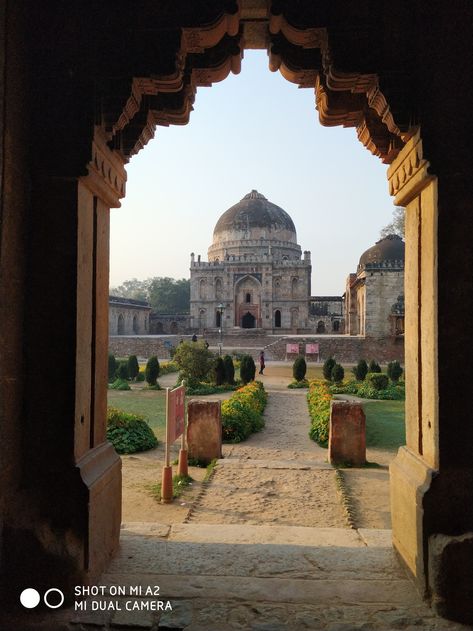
column 30, row 598
column 57, row 591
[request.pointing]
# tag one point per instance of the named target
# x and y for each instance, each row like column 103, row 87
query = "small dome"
column 391, row 248
column 254, row 217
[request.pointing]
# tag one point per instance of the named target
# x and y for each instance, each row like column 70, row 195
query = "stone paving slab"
column 248, row 463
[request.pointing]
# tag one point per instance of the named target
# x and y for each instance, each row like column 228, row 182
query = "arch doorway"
column 320, row 327
column 248, row 321
column 121, row 324
column 277, row 319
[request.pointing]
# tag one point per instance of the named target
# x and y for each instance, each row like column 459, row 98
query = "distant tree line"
column 164, row 294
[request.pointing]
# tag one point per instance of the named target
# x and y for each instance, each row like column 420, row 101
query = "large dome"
column 254, row 217
column 387, row 250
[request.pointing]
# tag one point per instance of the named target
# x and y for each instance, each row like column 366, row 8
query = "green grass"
column 149, row 403
column 385, row 424
column 179, row 483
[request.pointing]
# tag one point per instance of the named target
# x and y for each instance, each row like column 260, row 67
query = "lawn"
column 313, row 372
column 151, row 404
column 385, row 424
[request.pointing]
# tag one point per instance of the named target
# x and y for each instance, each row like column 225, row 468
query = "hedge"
column 319, row 398
column 242, row 413
column 129, row 433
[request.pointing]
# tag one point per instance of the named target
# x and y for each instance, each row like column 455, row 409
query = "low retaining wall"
column 344, row 348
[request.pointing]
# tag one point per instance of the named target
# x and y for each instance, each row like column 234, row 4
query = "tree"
column 134, row 289
column 229, row 370
column 299, row 368
column 164, row 294
column 360, row 370
column 338, row 373
column 374, row 366
column 133, row 367
column 247, row 369
column 194, row 360
column 152, row 370
column 112, row 367
column 327, row 369
column 122, row 372
column 219, row 370
column 394, row 371
column 167, row 295
column 397, row 224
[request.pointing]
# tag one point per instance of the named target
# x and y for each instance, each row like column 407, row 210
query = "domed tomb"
column 387, row 252
column 256, row 227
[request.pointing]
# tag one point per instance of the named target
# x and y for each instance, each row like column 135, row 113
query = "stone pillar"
column 431, row 478
column 204, row 430
column 347, row 437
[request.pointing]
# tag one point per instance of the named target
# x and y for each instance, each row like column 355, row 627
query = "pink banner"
column 176, row 413
column 311, row 349
column 292, row 348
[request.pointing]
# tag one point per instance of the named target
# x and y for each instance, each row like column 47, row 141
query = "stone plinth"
column 347, row 440
column 204, row 430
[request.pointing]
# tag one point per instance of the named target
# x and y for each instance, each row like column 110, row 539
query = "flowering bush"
column 366, row 389
column 242, row 413
column 319, row 398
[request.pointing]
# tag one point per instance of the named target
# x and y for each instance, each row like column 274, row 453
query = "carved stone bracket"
column 306, row 38
column 408, row 174
column 196, row 40
column 106, row 172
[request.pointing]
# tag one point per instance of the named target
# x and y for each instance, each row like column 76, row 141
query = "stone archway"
column 108, row 114
column 121, row 324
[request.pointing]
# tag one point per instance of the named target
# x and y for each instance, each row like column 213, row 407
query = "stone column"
column 431, row 479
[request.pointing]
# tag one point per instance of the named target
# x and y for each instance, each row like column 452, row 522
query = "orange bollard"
column 166, row 485
column 182, row 467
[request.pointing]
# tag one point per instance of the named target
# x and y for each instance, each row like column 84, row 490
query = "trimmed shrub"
column 360, row 370
column 133, row 367
column 318, row 399
column 378, row 380
column 338, row 373
column 112, row 367
column 167, row 367
column 242, row 413
column 140, row 376
column 374, row 366
column 247, row 369
column 122, row 371
column 129, row 433
column 294, row 385
column 229, row 370
column 195, row 362
column 394, row 371
column 219, row 370
column 328, row 367
column 152, row 370
column 299, row 369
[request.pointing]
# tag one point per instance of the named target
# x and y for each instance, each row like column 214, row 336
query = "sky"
column 254, row 130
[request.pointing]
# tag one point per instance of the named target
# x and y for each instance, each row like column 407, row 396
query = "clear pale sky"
column 254, row 130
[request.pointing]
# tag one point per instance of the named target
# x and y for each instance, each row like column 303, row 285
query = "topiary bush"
column 374, row 366
column 328, row 367
column 360, row 370
column 229, row 370
column 247, row 369
column 129, row 433
column 338, row 373
column 119, row 384
column 378, row 380
column 152, row 370
column 219, row 371
column 112, row 367
column 394, row 371
column 122, row 371
column 299, row 369
column 133, row 367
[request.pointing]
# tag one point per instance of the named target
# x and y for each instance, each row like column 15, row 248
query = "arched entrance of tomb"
column 320, row 327
column 277, row 319
column 248, row 321
column 247, row 301
column 88, row 118
column 135, row 325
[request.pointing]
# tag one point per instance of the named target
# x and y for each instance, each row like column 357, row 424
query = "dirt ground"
column 278, row 476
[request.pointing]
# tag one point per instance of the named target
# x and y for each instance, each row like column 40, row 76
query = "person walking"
column 261, row 363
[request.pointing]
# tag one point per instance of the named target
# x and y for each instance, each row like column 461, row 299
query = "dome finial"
column 253, row 194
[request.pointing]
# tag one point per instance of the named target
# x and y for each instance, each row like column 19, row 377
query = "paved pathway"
column 251, row 558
